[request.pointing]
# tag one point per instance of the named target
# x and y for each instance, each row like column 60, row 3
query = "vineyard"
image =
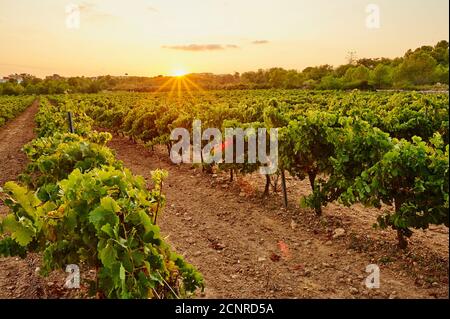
column 10, row 107
column 75, row 202
column 105, row 219
column 361, row 147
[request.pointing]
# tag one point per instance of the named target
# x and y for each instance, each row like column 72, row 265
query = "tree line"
column 423, row 68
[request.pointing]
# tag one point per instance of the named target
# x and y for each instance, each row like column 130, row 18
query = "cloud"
column 152, row 9
column 91, row 12
column 201, row 47
column 86, row 7
column 260, row 42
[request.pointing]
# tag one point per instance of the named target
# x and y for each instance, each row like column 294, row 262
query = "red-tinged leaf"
column 284, row 250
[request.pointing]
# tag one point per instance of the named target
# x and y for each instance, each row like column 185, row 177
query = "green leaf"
column 108, row 255
column 138, row 258
column 147, row 222
column 25, row 198
column 102, row 216
column 122, row 273
column 21, row 231
column 108, row 230
column 109, row 204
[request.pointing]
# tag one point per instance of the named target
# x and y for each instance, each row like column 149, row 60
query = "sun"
column 180, row 82
column 179, row 73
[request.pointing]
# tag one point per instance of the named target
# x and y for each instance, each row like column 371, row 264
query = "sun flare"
column 179, row 83
column 179, row 73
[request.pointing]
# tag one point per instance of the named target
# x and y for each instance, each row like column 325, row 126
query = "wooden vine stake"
column 70, row 120
column 283, row 186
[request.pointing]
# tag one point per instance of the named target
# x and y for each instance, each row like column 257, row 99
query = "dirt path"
column 13, row 136
column 251, row 248
column 17, row 277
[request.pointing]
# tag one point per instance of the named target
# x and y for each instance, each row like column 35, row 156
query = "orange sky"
column 151, row 37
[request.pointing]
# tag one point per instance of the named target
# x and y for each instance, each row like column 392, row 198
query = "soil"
column 247, row 246
column 13, row 136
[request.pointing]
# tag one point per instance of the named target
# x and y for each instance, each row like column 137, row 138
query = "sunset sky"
column 151, row 37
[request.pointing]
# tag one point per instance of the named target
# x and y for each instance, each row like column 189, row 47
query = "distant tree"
column 368, row 63
column 441, row 74
column 381, row 76
column 28, row 79
column 396, row 62
column 317, row 72
column 342, row 69
column 417, row 69
column 440, row 52
column 277, row 77
column 12, row 88
column 357, row 74
column 330, row 82
column 249, row 77
column 294, row 79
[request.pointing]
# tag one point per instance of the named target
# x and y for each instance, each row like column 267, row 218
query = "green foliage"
column 103, row 218
column 381, row 76
column 332, row 138
column 338, row 140
column 305, row 150
column 53, row 158
column 52, row 117
column 417, row 69
column 412, row 176
column 10, row 107
column 85, row 208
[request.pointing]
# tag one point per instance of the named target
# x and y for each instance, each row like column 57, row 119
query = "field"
column 347, row 161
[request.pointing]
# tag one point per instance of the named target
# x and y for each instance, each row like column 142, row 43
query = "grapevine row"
column 77, row 204
column 371, row 148
column 11, row 106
